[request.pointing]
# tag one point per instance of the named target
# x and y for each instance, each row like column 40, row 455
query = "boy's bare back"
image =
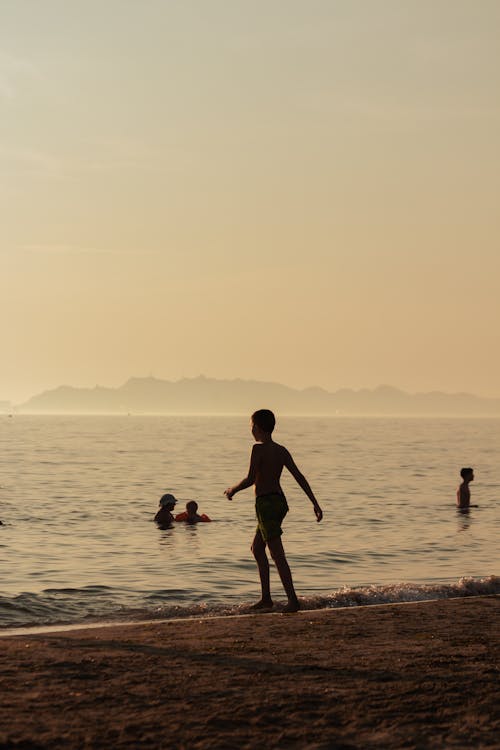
column 463, row 496
column 463, row 492
column 266, row 465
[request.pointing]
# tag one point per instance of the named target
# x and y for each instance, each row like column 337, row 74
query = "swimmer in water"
column 463, row 491
column 191, row 515
column 164, row 518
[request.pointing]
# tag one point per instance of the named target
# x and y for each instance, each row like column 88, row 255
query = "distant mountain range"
column 203, row 395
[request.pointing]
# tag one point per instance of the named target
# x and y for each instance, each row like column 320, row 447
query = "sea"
column 78, row 495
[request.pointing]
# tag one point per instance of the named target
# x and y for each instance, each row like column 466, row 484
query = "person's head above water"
column 167, row 501
column 192, row 507
column 264, row 419
column 467, row 474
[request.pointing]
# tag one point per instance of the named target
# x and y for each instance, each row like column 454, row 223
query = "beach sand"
column 418, row 675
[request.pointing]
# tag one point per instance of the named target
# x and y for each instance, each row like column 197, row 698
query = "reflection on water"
column 464, row 519
column 166, row 537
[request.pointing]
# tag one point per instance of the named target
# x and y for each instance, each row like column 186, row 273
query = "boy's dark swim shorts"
column 270, row 510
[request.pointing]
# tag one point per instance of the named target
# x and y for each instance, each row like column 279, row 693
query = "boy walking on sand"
column 266, row 464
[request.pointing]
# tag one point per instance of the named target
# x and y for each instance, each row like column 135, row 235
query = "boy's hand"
column 229, row 493
column 318, row 512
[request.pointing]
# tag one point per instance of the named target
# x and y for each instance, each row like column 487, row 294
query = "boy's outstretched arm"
column 249, row 480
column 303, row 483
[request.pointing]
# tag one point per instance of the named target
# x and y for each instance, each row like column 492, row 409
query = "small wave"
column 355, row 597
column 94, row 604
column 404, row 592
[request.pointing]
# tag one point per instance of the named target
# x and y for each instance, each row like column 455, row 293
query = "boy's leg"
column 259, row 552
column 278, row 554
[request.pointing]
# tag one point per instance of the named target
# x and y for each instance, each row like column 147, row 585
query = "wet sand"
column 420, row 675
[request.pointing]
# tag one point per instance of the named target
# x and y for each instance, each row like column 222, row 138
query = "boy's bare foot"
column 263, row 604
column 292, row 606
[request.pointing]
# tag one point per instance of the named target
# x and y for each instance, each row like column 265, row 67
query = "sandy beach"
column 419, row 675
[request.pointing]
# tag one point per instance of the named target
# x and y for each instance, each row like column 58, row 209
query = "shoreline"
column 414, row 675
column 345, row 597
column 26, row 630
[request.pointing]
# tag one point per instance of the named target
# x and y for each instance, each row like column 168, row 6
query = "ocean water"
column 78, row 495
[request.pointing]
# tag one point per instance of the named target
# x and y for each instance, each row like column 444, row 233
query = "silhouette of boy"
column 266, row 464
column 463, row 491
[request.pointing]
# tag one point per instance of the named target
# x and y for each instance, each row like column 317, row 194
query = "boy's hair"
column 265, row 419
column 466, row 472
column 192, row 505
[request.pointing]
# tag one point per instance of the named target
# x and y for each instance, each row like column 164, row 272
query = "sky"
column 279, row 190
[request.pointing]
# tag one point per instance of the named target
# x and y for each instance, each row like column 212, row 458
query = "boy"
column 164, row 518
column 191, row 514
column 266, row 464
column 463, row 491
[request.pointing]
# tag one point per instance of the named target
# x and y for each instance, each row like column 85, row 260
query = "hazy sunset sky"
column 298, row 191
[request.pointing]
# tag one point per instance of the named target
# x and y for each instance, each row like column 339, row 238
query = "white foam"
column 405, row 592
column 341, row 598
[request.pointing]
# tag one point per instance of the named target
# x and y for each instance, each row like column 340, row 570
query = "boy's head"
column 467, row 474
column 168, row 501
column 264, row 419
column 192, row 507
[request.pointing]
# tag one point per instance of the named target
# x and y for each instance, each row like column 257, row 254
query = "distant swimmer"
column 266, row 465
column 164, row 518
column 463, row 491
column 191, row 515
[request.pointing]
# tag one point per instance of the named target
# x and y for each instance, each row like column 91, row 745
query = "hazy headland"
column 204, row 395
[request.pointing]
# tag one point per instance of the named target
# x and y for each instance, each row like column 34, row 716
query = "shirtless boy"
column 463, row 491
column 266, row 464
